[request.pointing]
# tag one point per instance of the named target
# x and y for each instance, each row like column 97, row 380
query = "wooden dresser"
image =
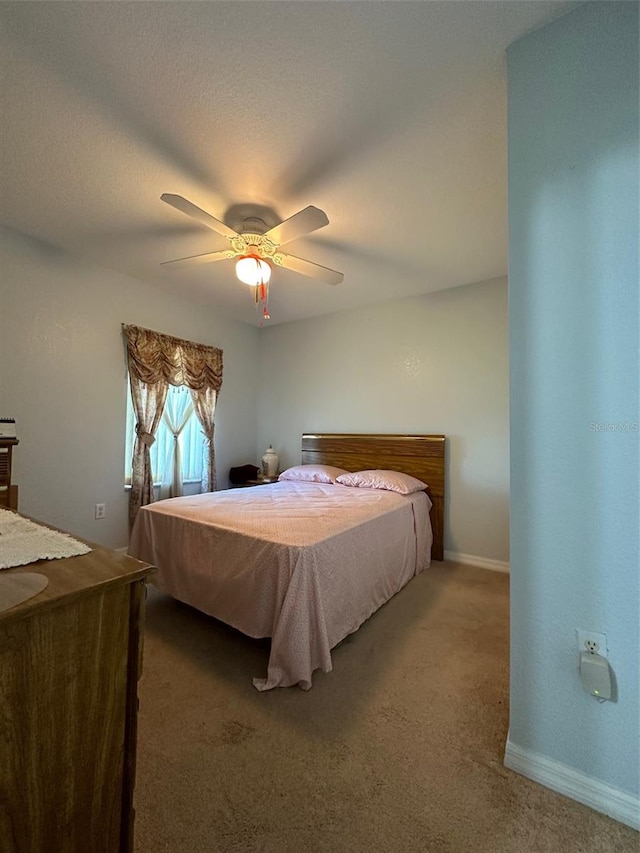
column 70, row 660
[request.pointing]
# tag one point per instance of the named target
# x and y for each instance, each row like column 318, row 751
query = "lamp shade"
column 253, row 270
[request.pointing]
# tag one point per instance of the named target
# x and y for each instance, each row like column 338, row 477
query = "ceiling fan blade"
column 290, row 262
column 301, row 223
column 195, row 260
column 201, row 216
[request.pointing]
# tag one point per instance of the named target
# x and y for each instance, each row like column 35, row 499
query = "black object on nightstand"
column 243, row 475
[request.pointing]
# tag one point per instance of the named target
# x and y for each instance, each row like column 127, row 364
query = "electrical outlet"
column 589, row 641
column 101, row 510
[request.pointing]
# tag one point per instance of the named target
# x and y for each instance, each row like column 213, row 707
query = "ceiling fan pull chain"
column 264, row 298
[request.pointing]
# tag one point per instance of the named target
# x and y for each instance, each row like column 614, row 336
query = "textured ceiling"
column 390, row 116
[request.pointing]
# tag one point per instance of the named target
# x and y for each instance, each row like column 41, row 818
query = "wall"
column 431, row 364
column 63, row 378
column 573, row 278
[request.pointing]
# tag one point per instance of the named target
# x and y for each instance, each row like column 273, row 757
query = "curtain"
column 177, row 411
column 148, row 403
column 156, row 361
column 204, row 402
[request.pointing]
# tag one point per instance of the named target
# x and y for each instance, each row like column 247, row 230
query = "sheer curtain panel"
column 178, row 408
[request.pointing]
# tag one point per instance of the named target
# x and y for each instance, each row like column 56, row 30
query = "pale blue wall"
column 573, row 281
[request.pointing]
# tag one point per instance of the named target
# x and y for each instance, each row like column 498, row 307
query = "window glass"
column 191, row 440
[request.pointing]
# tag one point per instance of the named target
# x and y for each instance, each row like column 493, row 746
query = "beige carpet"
column 399, row 749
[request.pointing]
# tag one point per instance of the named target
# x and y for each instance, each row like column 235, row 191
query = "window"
column 161, row 451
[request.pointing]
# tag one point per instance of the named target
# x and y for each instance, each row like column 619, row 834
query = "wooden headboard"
column 422, row 456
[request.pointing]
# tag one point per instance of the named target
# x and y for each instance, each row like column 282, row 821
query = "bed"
column 303, row 563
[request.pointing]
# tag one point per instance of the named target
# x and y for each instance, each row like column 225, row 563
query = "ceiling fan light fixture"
column 252, row 270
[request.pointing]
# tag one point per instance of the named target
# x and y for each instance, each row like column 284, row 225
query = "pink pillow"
column 393, row 481
column 312, row 473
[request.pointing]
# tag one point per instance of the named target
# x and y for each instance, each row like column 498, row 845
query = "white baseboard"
column 121, row 550
column 565, row 780
column 480, row 562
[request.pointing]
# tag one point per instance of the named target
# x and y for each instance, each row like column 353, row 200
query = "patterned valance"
column 154, row 357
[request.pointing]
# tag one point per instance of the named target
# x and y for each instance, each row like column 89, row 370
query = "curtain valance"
column 154, row 357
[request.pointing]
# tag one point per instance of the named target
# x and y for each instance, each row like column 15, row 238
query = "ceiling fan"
column 257, row 245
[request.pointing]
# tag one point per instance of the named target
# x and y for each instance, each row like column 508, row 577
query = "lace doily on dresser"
column 23, row 541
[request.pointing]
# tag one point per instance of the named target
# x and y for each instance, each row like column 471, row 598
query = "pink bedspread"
column 303, row 563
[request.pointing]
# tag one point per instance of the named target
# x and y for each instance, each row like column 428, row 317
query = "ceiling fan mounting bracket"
column 253, row 225
column 249, row 216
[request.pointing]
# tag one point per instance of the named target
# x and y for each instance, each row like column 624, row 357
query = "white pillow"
column 312, row 473
column 393, row 481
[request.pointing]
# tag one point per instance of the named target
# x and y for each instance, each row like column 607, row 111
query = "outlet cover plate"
column 590, row 637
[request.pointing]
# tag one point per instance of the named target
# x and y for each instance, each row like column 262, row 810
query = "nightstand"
column 258, row 482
